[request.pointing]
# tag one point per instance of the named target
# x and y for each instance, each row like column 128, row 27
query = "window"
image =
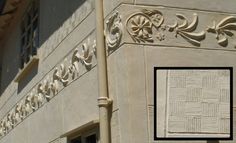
column 87, row 137
column 76, row 140
column 91, row 139
column 29, row 33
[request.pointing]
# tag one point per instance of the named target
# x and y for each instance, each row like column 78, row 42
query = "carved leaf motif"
column 86, row 55
column 47, row 89
column 156, row 17
column 223, row 29
column 228, row 32
column 186, row 30
column 185, row 22
column 64, row 75
column 223, row 41
column 193, row 38
column 8, row 122
column 55, row 81
column 114, row 30
column 139, row 26
column 3, row 127
column 74, row 68
column 34, row 99
column 27, row 104
column 225, row 21
column 18, row 112
column 40, row 90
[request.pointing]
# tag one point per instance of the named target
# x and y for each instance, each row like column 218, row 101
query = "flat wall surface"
column 163, row 34
column 140, row 35
column 60, row 93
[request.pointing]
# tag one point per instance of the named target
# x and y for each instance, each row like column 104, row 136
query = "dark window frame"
column 83, row 136
column 29, row 33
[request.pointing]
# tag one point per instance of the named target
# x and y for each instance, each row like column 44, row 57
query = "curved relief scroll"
column 223, row 30
column 64, row 77
column 33, row 100
column 86, row 56
column 113, row 30
column 55, row 81
column 9, row 123
column 186, row 30
column 18, row 110
column 36, row 99
column 74, row 65
column 147, row 25
column 47, row 88
column 27, row 105
column 2, row 128
column 141, row 25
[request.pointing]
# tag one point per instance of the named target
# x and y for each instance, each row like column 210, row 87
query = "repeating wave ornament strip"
column 49, row 87
column 147, row 25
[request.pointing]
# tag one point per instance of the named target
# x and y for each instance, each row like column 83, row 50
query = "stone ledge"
column 22, row 73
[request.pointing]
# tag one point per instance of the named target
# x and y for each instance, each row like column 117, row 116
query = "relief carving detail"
column 44, row 91
column 113, row 30
column 223, row 30
column 147, row 25
column 140, row 25
column 186, row 30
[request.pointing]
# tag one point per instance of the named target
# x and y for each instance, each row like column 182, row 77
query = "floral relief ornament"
column 186, row 30
column 148, row 25
column 141, row 25
column 114, row 30
column 49, row 87
column 142, row 29
column 223, row 30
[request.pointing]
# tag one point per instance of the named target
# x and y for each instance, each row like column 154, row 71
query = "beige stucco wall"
column 130, row 67
column 61, row 32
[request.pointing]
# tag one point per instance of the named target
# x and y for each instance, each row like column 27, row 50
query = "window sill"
column 87, row 126
column 23, row 72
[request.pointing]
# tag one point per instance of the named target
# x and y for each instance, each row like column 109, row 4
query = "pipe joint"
column 104, row 101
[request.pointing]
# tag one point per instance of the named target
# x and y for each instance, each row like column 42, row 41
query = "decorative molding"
column 223, row 30
column 22, row 73
column 146, row 26
column 114, row 30
column 140, row 27
column 187, row 30
column 44, row 91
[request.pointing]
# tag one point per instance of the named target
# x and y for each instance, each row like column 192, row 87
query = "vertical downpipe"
column 103, row 99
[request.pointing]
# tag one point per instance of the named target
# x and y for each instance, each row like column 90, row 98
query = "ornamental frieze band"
column 65, row 73
column 142, row 26
column 157, row 26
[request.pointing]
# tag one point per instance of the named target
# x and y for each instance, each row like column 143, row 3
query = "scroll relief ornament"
column 146, row 25
column 61, row 76
column 223, row 30
column 113, row 30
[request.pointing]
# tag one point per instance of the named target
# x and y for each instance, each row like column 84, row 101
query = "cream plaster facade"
column 57, row 98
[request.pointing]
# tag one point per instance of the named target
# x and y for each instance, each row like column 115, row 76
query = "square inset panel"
column 197, row 103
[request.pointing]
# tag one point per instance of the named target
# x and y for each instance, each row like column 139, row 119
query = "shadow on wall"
column 29, row 76
column 52, row 15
